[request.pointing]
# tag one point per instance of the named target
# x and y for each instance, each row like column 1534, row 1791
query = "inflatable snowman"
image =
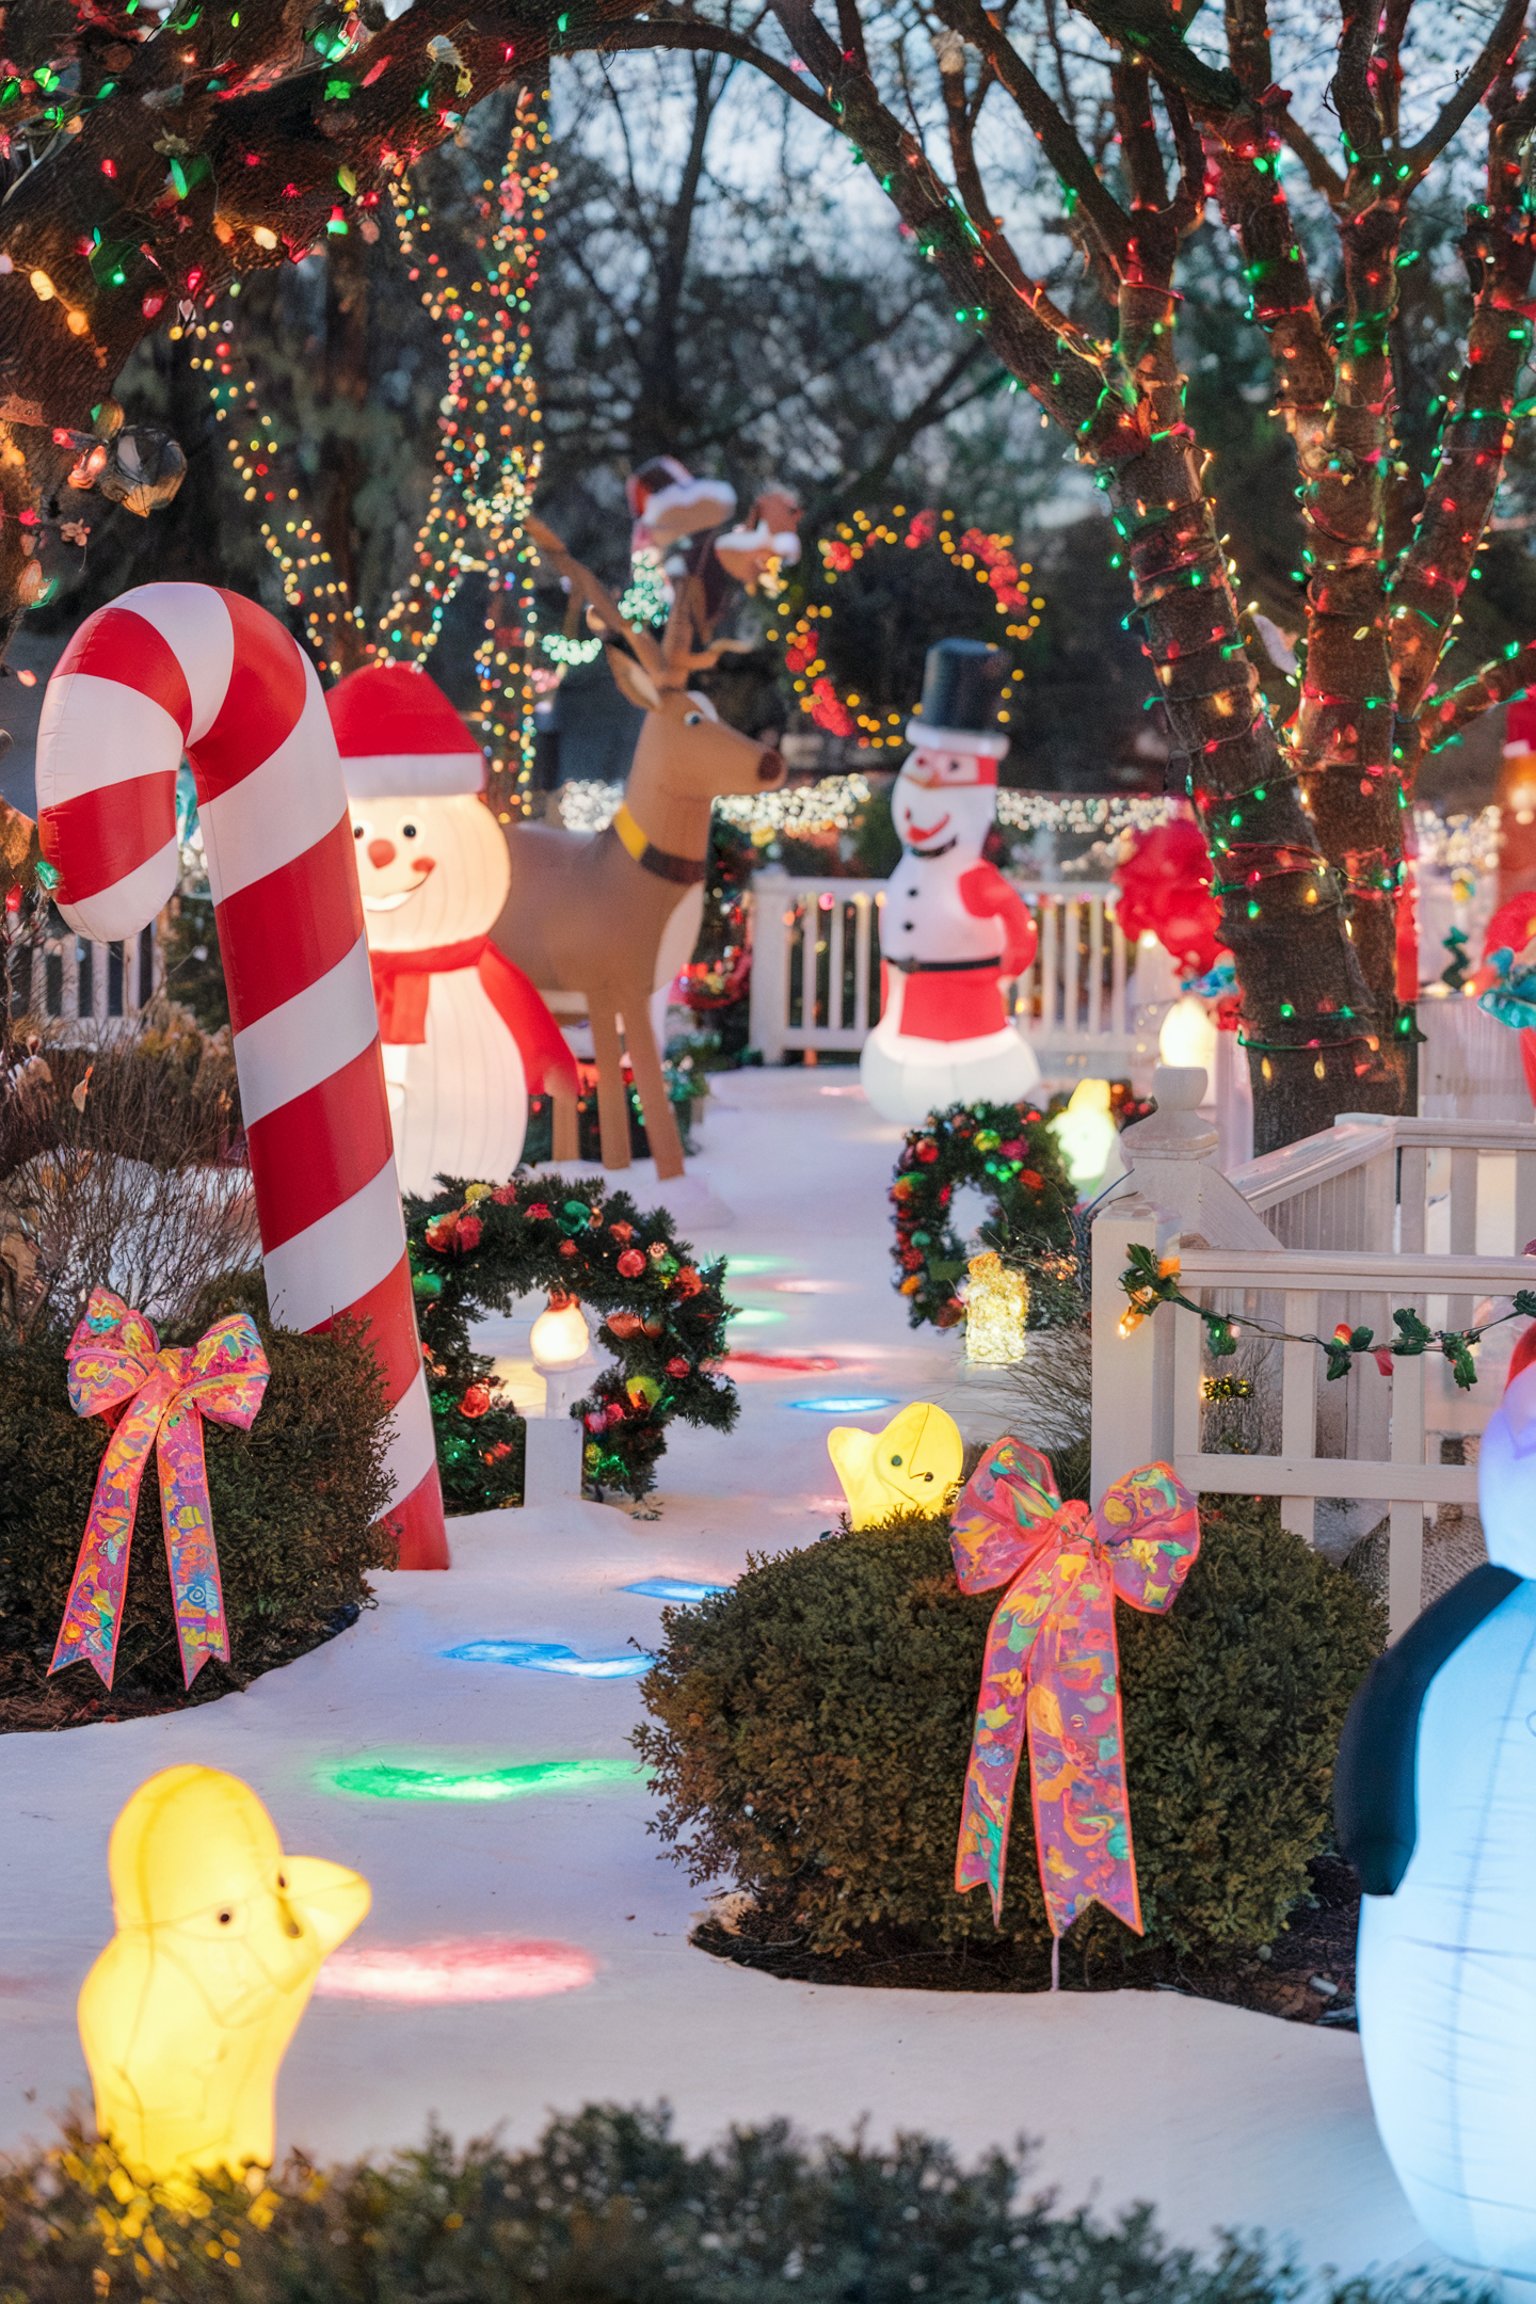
column 466, row 1036
column 1436, row 1809
column 952, row 930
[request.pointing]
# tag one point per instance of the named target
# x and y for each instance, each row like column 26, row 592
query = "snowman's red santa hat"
column 400, row 738
column 963, row 682
column 666, row 502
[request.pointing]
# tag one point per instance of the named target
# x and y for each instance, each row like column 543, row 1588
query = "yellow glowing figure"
column 1188, row 1036
column 186, row 2015
column 1086, row 1132
column 996, row 1312
column 912, row 1466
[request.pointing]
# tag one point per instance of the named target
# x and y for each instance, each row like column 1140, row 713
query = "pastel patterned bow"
column 115, row 1362
column 1052, row 1668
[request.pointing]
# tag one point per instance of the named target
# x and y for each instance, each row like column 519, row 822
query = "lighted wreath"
column 663, row 1316
column 844, row 712
column 1009, row 1153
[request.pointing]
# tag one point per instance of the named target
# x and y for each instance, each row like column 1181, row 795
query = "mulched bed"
column 1315, row 1951
column 32, row 1703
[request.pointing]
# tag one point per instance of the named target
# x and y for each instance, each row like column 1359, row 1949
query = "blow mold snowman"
column 465, row 1034
column 1435, row 1797
column 952, row 930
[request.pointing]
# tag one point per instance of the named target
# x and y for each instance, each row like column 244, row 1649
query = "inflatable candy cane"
column 173, row 668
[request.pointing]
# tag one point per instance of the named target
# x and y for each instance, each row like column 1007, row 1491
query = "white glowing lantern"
column 560, row 1336
column 1188, row 1036
column 1086, row 1133
column 996, row 1312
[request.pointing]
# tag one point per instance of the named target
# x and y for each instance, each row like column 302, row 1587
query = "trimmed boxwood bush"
column 295, row 1506
column 608, row 2205
column 810, row 1731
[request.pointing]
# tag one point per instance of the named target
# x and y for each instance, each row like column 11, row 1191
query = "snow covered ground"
column 1219, row 2117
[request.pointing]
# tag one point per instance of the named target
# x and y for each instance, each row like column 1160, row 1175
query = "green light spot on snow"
column 387, row 1780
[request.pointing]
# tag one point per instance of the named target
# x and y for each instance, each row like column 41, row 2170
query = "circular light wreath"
column 1007, row 1150
column 989, row 557
column 475, row 1248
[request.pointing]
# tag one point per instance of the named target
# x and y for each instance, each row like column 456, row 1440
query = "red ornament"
column 476, row 1401
column 622, row 1231
column 567, row 1247
column 631, row 1264
column 927, row 1152
column 470, row 1229
column 504, row 1195
column 1164, row 885
column 540, row 1210
column 688, row 1282
column 677, row 1368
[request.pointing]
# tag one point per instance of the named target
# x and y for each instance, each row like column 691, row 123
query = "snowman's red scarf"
column 402, row 981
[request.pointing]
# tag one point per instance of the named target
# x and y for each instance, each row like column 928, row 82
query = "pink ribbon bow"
column 115, row 1362
column 1052, row 1668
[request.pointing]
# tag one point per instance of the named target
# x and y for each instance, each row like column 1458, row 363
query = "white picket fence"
column 1350, row 1225
column 79, row 985
column 1090, row 1002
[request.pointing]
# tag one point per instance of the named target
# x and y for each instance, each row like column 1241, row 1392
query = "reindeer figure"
column 590, row 913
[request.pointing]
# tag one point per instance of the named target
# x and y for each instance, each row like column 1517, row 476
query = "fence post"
column 769, row 997
column 1132, row 1375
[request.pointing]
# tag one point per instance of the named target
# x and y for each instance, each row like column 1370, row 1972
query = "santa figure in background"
column 466, row 1036
column 953, row 931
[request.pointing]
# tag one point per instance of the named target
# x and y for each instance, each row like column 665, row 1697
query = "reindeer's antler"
column 603, row 611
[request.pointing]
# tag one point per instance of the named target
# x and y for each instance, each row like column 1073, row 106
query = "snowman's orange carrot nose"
column 380, row 853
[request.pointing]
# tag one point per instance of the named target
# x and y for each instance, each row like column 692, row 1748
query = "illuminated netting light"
column 459, row 1969
column 490, row 448
column 389, row 1780
column 675, row 1588
column 549, row 1656
column 846, row 1404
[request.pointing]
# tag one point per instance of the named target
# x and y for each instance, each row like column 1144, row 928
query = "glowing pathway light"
column 394, row 1780
column 458, row 1969
column 550, row 1656
column 675, row 1588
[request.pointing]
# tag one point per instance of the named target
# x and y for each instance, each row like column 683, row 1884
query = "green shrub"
column 811, row 1728
column 295, row 1502
column 608, row 2205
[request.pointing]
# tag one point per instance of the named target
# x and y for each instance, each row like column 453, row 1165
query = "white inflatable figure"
column 1436, row 1807
column 466, row 1036
column 952, row 929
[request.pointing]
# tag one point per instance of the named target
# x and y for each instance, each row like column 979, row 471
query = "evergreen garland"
column 475, row 1248
column 1010, row 1152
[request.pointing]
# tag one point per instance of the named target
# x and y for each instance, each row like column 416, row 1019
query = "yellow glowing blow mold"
column 186, row 2015
column 912, row 1466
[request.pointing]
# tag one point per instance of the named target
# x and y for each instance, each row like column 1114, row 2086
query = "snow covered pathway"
column 1217, row 2116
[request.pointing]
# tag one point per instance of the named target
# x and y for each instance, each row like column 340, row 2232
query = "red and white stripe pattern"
column 173, row 668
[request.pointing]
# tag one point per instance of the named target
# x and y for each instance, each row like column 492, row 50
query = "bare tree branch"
column 1495, row 55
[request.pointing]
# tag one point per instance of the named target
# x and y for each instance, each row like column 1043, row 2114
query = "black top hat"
column 963, row 682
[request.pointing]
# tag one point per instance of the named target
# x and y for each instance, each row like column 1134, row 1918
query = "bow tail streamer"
column 190, row 1554
column 1078, row 1792
column 93, row 1613
column 997, row 1747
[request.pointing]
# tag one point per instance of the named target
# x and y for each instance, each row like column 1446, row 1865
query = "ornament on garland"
column 990, row 558
column 952, row 928
column 1011, row 1154
column 466, row 1037
column 663, row 1316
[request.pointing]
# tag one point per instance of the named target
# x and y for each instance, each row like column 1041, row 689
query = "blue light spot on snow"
column 550, row 1656
column 846, row 1404
column 674, row 1588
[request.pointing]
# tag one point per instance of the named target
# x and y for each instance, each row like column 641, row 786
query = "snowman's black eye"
column 225, row 1919
column 357, row 831
column 895, row 1459
column 407, row 831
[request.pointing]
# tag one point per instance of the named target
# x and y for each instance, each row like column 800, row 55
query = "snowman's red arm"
column 984, row 892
